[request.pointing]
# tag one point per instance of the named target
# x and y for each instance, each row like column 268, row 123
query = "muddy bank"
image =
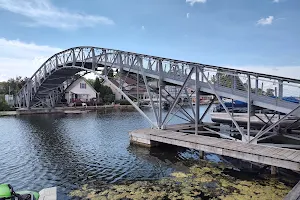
column 202, row 181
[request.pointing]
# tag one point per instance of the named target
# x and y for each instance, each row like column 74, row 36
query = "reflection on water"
column 68, row 151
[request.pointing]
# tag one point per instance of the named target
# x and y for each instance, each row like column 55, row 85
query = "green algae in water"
column 204, row 181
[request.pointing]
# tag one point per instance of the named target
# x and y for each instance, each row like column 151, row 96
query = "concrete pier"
column 273, row 156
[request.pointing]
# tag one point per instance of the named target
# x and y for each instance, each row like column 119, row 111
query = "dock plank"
column 285, row 153
column 297, row 159
column 292, row 156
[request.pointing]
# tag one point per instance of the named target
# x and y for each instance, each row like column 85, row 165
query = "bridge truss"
column 261, row 91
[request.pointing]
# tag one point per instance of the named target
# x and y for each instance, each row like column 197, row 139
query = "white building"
column 129, row 88
column 9, row 99
column 80, row 90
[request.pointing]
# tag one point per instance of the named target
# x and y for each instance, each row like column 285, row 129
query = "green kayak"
column 7, row 193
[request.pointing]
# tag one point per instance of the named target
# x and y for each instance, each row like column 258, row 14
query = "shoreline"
column 66, row 110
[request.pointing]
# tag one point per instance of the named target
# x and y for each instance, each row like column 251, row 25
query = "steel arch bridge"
column 48, row 83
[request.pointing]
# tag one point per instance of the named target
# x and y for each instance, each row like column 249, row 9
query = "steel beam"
column 148, row 90
column 126, row 97
column 221, row 102
column 160, row 123
column 181, row 109
column 276, row 123
column 220, row 134
column 207, row 109
column 190, row 102
column 197, row 105
column 249, row 107
column 178, row 95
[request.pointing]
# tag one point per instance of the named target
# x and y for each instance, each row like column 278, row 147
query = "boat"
column 7, row 193
column 258, row 118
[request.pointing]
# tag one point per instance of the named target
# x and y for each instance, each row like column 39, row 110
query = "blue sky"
column 259, row 35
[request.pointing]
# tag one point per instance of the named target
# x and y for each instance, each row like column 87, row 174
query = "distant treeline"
column 12, row 86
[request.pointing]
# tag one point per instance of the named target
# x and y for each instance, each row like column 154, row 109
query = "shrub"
column 122, row 102
column 3, row 105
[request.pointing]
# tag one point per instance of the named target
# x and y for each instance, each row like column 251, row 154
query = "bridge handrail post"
column 234, row 81
column 160, row 70
column 256, row 85
column 280, row 89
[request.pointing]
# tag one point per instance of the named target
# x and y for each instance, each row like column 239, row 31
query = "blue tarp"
column 236, row 104
column 241, row 104
column 291, row 99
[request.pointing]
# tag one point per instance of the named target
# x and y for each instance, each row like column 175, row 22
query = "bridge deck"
column 274, row 156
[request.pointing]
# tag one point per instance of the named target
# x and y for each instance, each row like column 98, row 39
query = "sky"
column 255, row 35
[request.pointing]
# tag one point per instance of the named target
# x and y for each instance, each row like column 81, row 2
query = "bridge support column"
column 249, row 103
column 274, row 170
column 197, row 100
column 160, row 123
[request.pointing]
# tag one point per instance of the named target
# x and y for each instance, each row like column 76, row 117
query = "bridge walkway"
column 47, row 82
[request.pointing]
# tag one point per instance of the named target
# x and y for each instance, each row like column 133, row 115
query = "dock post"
column 201, row 154
column 274, row 170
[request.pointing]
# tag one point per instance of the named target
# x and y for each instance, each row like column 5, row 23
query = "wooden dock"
column 273, row 156
column 294, row 194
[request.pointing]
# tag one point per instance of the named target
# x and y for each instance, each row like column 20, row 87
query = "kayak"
column 7, row 193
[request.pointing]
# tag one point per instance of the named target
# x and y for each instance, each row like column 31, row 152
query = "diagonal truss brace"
column 221, row 102
column 178, row 95
column 275, row 124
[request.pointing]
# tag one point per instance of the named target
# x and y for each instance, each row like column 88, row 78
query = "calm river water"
column 69, row 151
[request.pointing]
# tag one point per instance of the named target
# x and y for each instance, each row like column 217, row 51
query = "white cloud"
column 18, row 58
column 44, row 13
column 192, row 2
column 276, row 1
column 143, row 28
column 265, row 21
column 187, row 15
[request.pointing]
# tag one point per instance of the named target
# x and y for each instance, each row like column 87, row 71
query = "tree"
column 106, row 93
column 97, row 85
column 270, row 92
column 110, row 72
column 90, row 81
column 225, row 80
column 108, row 98
column 3, row 105
column 259, row 91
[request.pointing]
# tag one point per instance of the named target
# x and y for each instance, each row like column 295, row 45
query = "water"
column 69, row 151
